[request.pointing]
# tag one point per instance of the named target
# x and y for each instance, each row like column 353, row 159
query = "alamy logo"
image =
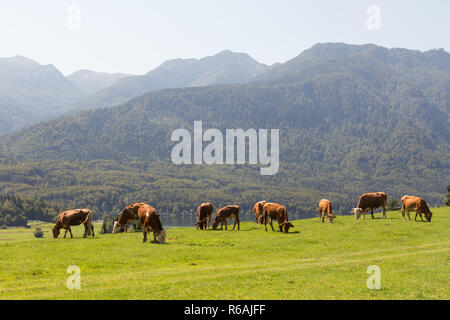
column 373, row 21
column 213, row 153
column 374, row 280
column 74, row 18
column 74, row 280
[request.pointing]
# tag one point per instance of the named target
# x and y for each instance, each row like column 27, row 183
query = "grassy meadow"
column 314, row 261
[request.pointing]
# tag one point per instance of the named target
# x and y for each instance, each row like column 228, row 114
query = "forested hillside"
column 15, row 211
column 352, row 119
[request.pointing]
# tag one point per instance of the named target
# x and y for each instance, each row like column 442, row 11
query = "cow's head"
column 215, row 222
column 116, row 227
column 260, row 219
column 56, row 231
column 428, row 216
column 285, row 226
column 331, row 217
column 161, row 237
column 357, row 212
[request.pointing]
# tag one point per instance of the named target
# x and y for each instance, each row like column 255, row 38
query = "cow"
column 370, row 201
column 258, row 211
column 150, row 222
column 325, row 208
column 417, row 204
column 73, row 218
column 231, row 211
column 204, row 214
column 276, row 211
column 129, row 214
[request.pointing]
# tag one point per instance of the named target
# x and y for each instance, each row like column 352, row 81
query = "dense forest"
column 15, row 211
column 352, row 119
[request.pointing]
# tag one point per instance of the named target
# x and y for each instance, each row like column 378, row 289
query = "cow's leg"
column 70, row 230
column 384, row 213
column 85, row 230
column 403, row 214
column 371, row 212
column 271, row 223
column 415, row 217
column 409, row 217
column 265, row 222
column 236, row 221
column 65, row 233
column 226, row 224
column 420, row 215
column 144, row 232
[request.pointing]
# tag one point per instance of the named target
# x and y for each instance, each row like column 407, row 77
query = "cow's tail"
column 88, row 218
column 284, row 213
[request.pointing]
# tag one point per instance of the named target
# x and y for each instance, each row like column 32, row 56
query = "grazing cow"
column 129, row 214
column 222, row 214
column 204, row 214
column 325, row 208
column 276, row 211
column 370, row 201
column 150, row 222
column 258, row 211
column 73, row 218
column 417, row 204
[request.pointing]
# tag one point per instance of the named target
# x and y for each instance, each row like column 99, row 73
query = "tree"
column 393, row 205
column 447, row 200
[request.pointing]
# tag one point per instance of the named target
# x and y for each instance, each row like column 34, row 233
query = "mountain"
column 225, row 67
column 91, row 81
column 352, row 119
column 30, row 92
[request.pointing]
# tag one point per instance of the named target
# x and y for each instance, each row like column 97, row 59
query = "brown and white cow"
column 417, row 204
column 227, row 212
column 73, row 218
column 325, row 208
column 204, row 214
column 276, row 211
column 258, row 211
column 150, row 222
column 129, row 214
column 370, row 201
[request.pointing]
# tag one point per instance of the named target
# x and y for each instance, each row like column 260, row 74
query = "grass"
column 315, row 261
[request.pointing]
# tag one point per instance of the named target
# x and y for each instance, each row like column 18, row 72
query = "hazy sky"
column 135, row 36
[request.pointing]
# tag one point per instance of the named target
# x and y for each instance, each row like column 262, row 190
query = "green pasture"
column 314, row 261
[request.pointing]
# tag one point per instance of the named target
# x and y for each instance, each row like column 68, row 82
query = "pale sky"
column 135, row 36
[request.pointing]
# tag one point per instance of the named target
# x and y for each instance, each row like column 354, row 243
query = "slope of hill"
column 225, row 67
column 91, row 81
column 30, row 92
column 350, row 123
